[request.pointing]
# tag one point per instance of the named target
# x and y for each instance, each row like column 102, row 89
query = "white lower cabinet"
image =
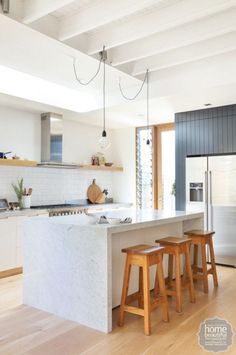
column 7, row 244
column 11, row 236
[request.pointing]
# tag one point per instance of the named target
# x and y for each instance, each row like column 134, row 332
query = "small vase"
column 26, row 202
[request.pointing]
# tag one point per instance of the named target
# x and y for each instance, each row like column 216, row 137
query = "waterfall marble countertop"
column 74, row 269
column 31, row 212
column 140, row 219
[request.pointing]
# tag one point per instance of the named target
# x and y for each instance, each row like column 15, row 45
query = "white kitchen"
column 117, row 170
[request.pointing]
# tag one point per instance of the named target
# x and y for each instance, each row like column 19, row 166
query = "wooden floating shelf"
column 17, row 162
column 33, row 163
column 102, row 167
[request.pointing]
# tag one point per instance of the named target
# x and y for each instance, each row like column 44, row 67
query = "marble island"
column 74, row 269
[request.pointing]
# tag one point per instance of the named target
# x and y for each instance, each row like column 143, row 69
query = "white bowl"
column 114, row 221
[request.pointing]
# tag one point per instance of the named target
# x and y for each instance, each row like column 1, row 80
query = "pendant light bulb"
column 148, row 142
column 104, row 141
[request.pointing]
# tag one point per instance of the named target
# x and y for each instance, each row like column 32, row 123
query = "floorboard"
column 28, row 331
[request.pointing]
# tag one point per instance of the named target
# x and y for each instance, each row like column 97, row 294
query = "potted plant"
column 23, row 197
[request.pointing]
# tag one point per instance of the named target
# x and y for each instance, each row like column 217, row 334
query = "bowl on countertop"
column 114, row 221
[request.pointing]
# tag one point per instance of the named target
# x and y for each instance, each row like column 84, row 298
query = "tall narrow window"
column 144, row 168
column 166, row 166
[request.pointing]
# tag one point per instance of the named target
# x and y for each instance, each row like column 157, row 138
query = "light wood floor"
column 25, row 330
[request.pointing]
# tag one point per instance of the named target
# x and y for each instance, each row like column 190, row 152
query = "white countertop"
column 140, row 219
column 23, row 213
column 31, row 212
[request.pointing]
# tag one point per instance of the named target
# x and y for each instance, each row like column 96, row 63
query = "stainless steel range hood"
column 52, row 141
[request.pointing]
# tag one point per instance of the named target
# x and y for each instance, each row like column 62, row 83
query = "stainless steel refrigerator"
column 211, row 188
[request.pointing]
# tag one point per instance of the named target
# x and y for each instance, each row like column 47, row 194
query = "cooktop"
column 65, row 205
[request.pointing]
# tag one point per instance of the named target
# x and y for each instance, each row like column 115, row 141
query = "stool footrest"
column 197, row 268
column 170, row 292
column 210, row 271
column 134, row 310
column 157, row 301
column 133, row 297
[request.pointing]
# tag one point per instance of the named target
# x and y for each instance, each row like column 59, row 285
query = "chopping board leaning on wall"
column 95, row 194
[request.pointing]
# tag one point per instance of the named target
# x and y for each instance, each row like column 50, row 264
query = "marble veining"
column 74, row 269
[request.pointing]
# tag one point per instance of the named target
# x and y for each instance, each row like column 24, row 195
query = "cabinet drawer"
column 7, row 243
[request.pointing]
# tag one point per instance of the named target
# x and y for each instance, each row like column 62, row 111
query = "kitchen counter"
column 31, row 212
column 23, row 213
column 75, row 270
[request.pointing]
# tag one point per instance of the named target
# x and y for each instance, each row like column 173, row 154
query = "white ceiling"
column 189, row 47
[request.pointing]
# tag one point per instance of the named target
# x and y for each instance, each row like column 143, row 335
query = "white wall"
column 123, row 148
column 52, row 185
column 20, row 132
column 81, row 141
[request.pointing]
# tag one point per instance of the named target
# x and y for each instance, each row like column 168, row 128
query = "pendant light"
column 104, row 141
column 146, row 79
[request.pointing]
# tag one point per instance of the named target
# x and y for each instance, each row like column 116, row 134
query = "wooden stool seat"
column 172, row 241
column 201, row 239
column 143, row 256
column 142, row 249
column 199, row 232
column 174, row 247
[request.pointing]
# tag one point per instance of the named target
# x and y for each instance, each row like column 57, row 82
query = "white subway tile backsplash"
column 52, row 185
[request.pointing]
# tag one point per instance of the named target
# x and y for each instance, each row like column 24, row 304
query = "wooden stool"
column 174, row 247
column 143, row 256
column 201, row 238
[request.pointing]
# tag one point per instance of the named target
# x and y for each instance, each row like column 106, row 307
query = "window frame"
column 156, row 160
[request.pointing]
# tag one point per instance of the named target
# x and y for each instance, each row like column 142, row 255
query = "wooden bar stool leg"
column 140, row 298
column 178, row 282
column 124, row 291
column 146, row 297
column 195, row 259
column 156, row 285
column 190, row 275
column 170, row 269
column 164, row 302
column 213, row 264
column 204, row 268
column 185, row 269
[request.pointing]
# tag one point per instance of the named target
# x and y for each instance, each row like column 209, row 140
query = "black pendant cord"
column 94, row 76
column 139, row 91
column 104, row 98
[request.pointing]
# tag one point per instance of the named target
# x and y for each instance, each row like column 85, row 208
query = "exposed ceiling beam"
column 35, row 9
column 208, row 72
column 101, row 13
column 193, row 52
column 155, row 21
column 184, row 35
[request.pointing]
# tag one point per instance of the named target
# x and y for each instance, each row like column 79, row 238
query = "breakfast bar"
column 73, row 267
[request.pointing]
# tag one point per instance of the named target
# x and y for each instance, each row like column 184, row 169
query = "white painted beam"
column 158, row 20
column 193, row 52
column 35, row 9
column 213, row 71
column 101, row 13
column 184, row 35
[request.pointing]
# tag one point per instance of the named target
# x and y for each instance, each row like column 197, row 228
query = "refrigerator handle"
column 206, row 200
column 210, row 203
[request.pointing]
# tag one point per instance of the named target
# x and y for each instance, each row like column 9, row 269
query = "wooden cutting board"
column 94, row 192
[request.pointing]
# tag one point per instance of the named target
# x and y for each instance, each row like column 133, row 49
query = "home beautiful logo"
column 215, row 335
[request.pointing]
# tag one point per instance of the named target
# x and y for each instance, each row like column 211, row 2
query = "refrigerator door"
column 222, row 207
column 196, row 185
